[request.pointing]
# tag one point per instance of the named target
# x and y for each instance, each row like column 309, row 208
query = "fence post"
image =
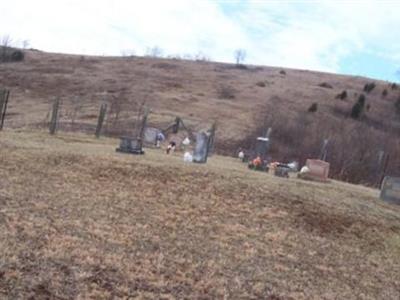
column 324, row 150
column 211, row 140
column 54, row 116
column 4, row 95
column 143, row 125
column 384, row 168
column 102, row 114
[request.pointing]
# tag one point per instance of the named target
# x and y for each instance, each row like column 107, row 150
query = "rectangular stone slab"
column 130, row 145
column 200, row 150
column 319, row 169
column 390, row 190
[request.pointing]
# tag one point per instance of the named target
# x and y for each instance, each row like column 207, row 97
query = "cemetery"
column 93, row 205
column 102, row 197
column 153, row 155
column 198, row 146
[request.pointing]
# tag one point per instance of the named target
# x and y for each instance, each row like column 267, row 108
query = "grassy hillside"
column 241, row 100
column 78, row 220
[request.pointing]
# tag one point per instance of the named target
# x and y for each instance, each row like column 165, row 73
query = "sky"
column 356, row 37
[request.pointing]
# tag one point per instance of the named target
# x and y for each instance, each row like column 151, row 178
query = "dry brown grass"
column 195, row 91
column 78, row 220
column 242, row 101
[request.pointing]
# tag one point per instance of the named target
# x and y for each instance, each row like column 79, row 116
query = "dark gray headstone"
column 130, row 145
column 200, row 151
column 282, row 171
column 262, row 146
column 390, row 190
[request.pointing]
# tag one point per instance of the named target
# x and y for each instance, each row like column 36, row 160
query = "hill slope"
column 78, row 220
column 241, row 100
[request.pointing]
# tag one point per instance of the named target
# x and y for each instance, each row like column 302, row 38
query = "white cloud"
column 308, row 35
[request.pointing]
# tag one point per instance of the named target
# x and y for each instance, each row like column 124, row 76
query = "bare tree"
column 240, row 56
column 128, row 53
column 5, row 43
column 200, row 56
column 187, row 56
column 25, row 44
column 154, row 51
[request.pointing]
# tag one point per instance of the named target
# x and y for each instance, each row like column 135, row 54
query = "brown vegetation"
column 79, row 221
column 203, row 92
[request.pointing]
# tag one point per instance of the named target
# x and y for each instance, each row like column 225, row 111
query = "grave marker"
column 201, row 148
column 262, row 146
column 390, row 190
column 134, row 145
column 319, row 169
column 130, row 145
column 150, row 135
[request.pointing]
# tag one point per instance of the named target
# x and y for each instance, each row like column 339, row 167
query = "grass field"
column 79, row 221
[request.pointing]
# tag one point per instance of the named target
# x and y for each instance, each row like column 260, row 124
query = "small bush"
column 313, row 107
column 368, row 87
column 282, row 72
column 397, row 105
column 325, row 85
column 226, row 92
column 241, row 67
column 384, row 93
column 342, row 95
column 8, row 54
column 358, row 107
column 17, row 55
column 261, row 84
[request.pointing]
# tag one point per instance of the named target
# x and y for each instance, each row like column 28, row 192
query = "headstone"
column 390, row 190
column 262, row 146
column 318, row 169
column 201, row 148
column 130, row 145
column 150, row 135
column 282, row 171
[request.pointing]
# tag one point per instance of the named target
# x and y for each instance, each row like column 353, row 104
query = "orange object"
column 257, row 161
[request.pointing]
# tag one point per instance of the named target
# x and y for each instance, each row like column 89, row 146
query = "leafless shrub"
column 240, row 56
column 368, row 87
column 342, row 95
column 313, row 107
column 7, row 52
column 201, row 57
column 261, row 84
column 154, row 51
column 226, row 92
column 164, row 66
column 325, row 85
